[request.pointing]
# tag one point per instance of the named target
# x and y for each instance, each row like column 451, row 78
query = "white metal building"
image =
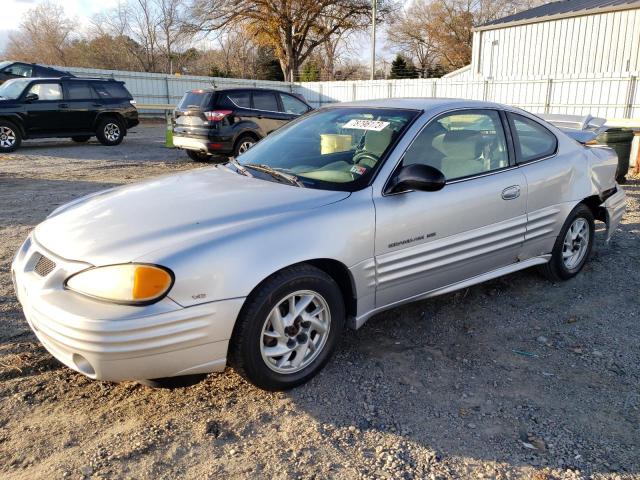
column 566, row 38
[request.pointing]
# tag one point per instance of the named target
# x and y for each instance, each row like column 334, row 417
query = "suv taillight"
column 217, row 115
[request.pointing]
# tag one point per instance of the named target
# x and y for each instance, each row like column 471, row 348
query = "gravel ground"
column 515, row 378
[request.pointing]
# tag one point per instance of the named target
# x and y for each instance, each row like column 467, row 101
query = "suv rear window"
column 111, row 90
column 196, row 99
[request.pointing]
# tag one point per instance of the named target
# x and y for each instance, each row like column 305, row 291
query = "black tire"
column 174, row 382
column 81, row 138
column 242, row 142
column 10, row 137
column 245, row 347
column 110, row 131
column 556, row 270
column 198, row 156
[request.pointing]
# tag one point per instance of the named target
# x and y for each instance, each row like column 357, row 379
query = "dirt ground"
column 515, row 378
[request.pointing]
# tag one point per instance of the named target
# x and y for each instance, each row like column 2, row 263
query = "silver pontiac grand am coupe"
column 349, row 210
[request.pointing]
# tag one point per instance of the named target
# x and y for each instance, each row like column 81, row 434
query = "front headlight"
column 131, row 283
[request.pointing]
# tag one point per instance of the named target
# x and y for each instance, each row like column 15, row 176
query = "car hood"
column 125, row 223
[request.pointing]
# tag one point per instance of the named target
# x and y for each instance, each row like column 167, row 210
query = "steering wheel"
column 363, row 156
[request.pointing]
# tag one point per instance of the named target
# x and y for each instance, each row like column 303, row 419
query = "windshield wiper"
column 239, row 168
column 277, row 174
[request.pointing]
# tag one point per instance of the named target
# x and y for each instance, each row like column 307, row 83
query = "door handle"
column 511, row 193
column 63, row 105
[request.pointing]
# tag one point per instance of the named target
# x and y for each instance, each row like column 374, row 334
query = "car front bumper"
column 118, row 342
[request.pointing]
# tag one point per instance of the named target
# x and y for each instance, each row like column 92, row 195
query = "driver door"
column 49, row 113
column 475, row 224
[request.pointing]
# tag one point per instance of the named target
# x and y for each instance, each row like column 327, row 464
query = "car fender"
column 17, row 120
column 231, row 266
column 110, row 113
column 247, row 126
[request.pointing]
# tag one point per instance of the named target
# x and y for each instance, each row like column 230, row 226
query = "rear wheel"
column 288, row 328
column 81, row 138
column 110, row 131
column 573, row 245
column 198, row 156
column 10, row 138
column 244, row 143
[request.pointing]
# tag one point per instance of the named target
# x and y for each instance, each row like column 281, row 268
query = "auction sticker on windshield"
column 374, row 125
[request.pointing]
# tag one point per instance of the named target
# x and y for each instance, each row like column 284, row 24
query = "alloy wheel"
column 112, row 132
column 295, row 332
column 244, row 146
column 7, row 137
column 576, row 243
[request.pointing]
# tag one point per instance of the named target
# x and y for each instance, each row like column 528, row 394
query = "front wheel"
column 288, row 328
column 110, row 131
column 573, row 245
column 10, row 138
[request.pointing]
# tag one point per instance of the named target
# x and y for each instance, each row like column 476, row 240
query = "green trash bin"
column 620, row 139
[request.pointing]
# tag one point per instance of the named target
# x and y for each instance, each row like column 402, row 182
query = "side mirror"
column 31, row 97
column 417, row 177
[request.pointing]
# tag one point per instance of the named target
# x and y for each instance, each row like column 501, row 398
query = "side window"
column 461, row 144
column 240, row 99
column 265, row 101
column 532, row 140
column 47, row 91
column 293, row 105
column 20, row 69
column 79, row 91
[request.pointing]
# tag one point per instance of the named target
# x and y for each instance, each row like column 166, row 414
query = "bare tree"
column 45, row 35
column 293, row 28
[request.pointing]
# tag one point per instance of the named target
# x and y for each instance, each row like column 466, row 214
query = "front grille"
column 44, row 266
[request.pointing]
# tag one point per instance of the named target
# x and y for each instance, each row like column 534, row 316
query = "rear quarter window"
column 111, row 90
column 533, row 141
column 240, row 99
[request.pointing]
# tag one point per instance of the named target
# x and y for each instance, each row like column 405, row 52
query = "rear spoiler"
column 584, row 130
column 581, row 136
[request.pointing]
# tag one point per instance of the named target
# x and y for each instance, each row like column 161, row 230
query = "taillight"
column 217, row 115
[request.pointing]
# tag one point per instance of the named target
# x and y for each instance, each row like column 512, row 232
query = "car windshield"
column 13, row 88
column 335, row 148
column 4, row 64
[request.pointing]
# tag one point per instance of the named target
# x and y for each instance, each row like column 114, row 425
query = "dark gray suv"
column 230, row 121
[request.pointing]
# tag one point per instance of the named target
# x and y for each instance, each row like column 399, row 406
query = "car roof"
column 425, row 104
column 70, row 78
column 238, row 89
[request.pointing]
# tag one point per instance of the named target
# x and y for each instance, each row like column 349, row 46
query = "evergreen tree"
column 402, row 68
column 310, row 72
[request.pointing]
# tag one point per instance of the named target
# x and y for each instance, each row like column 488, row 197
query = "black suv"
column 78, row 108
column 228, row 122
column 9, row 70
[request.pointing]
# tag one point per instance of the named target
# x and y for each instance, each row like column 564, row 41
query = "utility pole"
column 374, row 5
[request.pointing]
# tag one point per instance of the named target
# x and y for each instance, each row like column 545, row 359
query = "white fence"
column 605, row 97
column 608, row 97
column 159, row 88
